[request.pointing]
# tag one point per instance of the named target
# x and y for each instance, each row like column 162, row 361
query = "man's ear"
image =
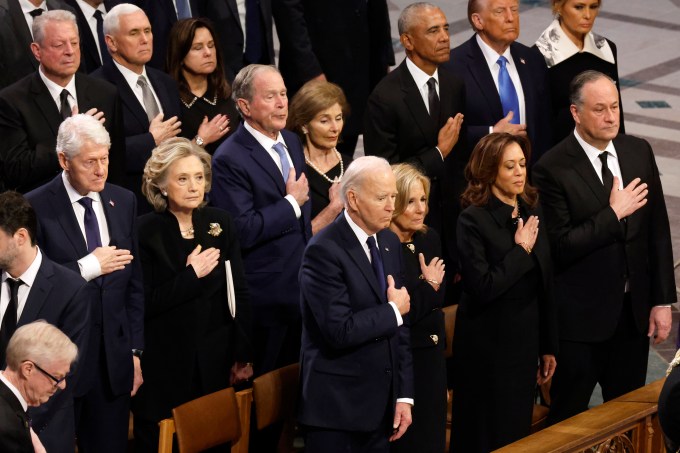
column 35, row 50
column 405, row 40
column 243, row 106
column 574, row 113
column 63, row 161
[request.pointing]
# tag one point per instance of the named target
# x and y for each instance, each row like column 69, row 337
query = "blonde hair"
column 162, row 158
column 39, row 342
column 407, row 176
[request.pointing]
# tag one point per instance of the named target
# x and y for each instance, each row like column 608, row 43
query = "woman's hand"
column 546, row 369
column 526, row 234
column 213, row 130
column 334, row 197
column 432, row 273
column 203, row 262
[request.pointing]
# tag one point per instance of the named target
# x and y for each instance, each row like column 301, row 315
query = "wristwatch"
column 137, row 353
column 199, row 141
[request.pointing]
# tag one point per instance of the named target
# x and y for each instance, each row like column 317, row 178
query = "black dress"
column 193, row 114
column 427, row 433
column 319, row 186
column 505, row 321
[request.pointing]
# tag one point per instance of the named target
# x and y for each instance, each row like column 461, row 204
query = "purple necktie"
column 91, row 225
column 377, row 264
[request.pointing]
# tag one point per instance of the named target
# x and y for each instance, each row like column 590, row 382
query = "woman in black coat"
column 569, row 47
column 423, row 276
column 194, row 344
column 505, row 337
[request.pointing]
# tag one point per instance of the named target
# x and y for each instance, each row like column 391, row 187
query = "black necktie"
column 65, row 107
column 377, row 264
column 91, row 225
column 253, row 32
column 99, row 17
column 607, row 177
column 36, row 12
column 9, row 320
column 433, row 98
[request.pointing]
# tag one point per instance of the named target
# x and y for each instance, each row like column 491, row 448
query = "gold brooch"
column 215, row 229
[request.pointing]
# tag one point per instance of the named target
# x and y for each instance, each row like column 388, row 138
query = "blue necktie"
column 285, row 165
column 377, row 264
column 507, row 91
column 106, row 57
column 253, row 32
column 183, row 9
column 91, row 225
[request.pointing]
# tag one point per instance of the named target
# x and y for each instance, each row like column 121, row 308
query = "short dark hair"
column 580, row 81
column 15, row 213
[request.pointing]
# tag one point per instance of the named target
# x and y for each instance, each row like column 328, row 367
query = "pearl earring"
column 165, row 194
column 304, row 130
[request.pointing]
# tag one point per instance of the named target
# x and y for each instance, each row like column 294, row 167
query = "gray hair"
column 162, row 158
column 410, row 14
column 55, row 15
column 39, row 342
column 77, row 130
column 580, row 81
column 358, row 171
column 242, row 87
column 112, row 18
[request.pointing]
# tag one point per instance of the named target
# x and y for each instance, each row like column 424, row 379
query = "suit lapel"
column 126, row 95
column 356, row 252
column 585, row 170
column 109, row 206
column 45, row 103
column 37, row 296
column 261, row 157
column 482, row 77
column 525, row 79
column 66, row 217
column 415, row 104
column 21, row 29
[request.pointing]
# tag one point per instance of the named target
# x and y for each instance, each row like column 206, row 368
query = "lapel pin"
column 522, row 61
column 387, row 249
column 112, row 203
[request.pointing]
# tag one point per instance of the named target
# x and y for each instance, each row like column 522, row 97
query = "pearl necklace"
column 342, row 168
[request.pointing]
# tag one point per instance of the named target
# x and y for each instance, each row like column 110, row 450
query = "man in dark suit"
column 477, row 62
column 608, row 227
column 413, row 115
column 38, row 288
column 89, row 226
column 258, row 177
column 90, row 15
column 355, row 360
column 352, row 42
column 151, row 103
column 39, row 357
column 32, row 108
column 16, row 19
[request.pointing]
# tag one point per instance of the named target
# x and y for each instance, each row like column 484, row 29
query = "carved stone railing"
column 628, row 424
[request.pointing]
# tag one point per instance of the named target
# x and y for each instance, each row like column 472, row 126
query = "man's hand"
column 660, row 319
column 449, row 134
column 38, row 447
column 163, row 130
column 203, row 262
column 546, row 369
column 112, row 259
column 402, row 420
column 505, row 125
column 399, row 296
column 630, row 199
column 92, row 112
column 138, row 379
column 240, row 372
column 299, row 188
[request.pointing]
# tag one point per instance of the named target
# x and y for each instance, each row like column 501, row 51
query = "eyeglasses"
column 56, row 381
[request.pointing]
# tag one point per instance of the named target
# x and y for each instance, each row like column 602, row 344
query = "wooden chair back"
column 450, row 325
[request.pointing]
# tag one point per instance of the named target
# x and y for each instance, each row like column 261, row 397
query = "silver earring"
column 165, row 194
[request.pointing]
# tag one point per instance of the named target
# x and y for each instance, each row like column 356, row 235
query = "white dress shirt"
column 89, row 264
column 268, row 144
column 28, row 277
column 26, row 8
column 55, row 90
column 491, row 57
column 594, row 158
column 88, row 12
column 131, row 78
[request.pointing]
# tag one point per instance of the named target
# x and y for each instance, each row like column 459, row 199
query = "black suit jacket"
column 594, row 253
column 138, row 140
column 398, row 128
column 354, row 361
column 118, row 310
column 59, row 296
column 15, row 434
column 29, row 122
column 483, row 103
column 189, row 330
column 16, row 58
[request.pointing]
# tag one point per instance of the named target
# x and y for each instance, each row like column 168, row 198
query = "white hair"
column 77, row 130
column 358, row 171
column 40, row 342
column 55, row 15
column 112, row 18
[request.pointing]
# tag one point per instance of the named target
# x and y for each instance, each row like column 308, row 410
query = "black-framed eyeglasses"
column 56, row 381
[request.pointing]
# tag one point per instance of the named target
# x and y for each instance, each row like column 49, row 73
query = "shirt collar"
column 490, row 55
column 88, row 11
column 14, row 390
column 131, row 77
column 266, row 142
column 73, row 194
column 420, row 76
column 556, row 46
column 27, row 7
column 592, row 152
column 361, row 235
column 28, row 277
column 54, row 89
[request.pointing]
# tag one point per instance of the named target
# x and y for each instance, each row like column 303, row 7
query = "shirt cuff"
column 296, row 207
column 663, row 306
column 405, row 400
column 440, row 152
column 89, row 267
column 490, row 129
column 400, row 320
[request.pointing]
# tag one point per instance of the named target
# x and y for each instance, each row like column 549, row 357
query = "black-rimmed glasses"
column 56, row 381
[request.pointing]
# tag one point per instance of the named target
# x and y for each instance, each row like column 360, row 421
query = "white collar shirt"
column 594, row 158
column 26, row 8
column 27, row 278
column 421, row 78
column 55, row 90
column 131, row 78
column 88, row 12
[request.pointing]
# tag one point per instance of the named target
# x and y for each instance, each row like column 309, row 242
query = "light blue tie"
column 183, row 9
column 285, row 165
column 506, row 89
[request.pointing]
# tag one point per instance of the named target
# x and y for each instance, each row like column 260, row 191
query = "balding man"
column 356, row 364
column 506, row 85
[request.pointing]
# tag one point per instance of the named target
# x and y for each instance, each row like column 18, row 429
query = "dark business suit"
column 138, row 140
column 355, row 361
column 29, row 122
column 399, row 128
column 89, row 55
column 594, row 255
column 16, row 58
column 117, row 313
column 15, row 433
column 483, row 104
column 248, row 184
